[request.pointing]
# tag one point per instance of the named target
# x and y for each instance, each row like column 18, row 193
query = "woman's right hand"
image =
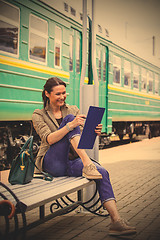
column 60, row 133
column 79, row 120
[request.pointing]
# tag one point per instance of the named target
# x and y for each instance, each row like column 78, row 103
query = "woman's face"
column 57, row 96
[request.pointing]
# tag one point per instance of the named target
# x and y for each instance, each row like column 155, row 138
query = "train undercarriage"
column 149, row 129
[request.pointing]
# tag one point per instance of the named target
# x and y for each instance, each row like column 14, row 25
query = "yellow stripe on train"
column 120, row 89
column 31, row 66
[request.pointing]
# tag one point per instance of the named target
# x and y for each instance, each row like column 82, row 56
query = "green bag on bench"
column 23, row 165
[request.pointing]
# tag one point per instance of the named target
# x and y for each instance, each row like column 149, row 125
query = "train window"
column 127, row 73
column 110, row 63
column 150, row 81
column 99, row 65
column 66, row 7
column 107, row 33
column 58, row 44
column 81, row 16
column 116, row 69
column 73, row 11
column 9, row 28
column 78, row 56
column 136, row 76
column 38, row 37
column 144, row 79
column 104, row 65
column 156, row 84
column 71, row 54
column 110, row 67
column 99, row 28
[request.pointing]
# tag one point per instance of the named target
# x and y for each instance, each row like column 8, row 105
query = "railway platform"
column 134, row 171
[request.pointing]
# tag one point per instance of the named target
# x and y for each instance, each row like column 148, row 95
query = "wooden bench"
column 38, row 193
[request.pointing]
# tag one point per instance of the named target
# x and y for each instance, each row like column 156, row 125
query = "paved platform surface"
column 135, row 175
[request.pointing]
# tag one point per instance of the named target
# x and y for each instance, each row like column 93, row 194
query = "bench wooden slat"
column 19, row 187
column 37, row 185
column 40, row 192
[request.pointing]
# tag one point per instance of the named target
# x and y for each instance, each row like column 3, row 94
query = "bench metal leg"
column 80, row 195
column 42, row 212
column 20, row 208
column 93, row 205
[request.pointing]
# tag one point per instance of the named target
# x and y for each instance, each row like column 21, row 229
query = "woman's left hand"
column 98, row 129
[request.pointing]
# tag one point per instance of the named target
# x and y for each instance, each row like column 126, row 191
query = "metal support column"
column 89, row 94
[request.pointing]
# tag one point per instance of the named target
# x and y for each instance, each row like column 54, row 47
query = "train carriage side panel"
column 23, row 75
column 133, row 90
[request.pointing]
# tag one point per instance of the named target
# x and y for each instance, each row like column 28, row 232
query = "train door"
column 75, row 65
column 102, row 78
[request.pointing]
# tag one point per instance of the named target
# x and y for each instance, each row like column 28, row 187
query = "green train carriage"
column 133, row 94
column 129, row 88
column 37, row 42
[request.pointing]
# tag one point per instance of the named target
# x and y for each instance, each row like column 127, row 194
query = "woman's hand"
column 79, row 120
column 98, row 129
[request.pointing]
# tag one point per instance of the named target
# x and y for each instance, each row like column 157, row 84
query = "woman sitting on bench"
column 58, row 126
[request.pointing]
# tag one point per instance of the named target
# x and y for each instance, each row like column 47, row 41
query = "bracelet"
column 68, row 128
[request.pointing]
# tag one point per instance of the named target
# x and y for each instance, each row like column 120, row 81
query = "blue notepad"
column 88, row 136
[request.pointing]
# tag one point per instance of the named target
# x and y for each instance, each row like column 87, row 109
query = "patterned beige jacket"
column 43, row 125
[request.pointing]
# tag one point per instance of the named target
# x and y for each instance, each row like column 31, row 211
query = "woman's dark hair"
column 51, row 82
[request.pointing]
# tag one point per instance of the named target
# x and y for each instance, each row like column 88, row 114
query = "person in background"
column 59, row 126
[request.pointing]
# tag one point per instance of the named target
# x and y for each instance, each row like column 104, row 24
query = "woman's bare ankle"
column 86, row 160
column 86, row 163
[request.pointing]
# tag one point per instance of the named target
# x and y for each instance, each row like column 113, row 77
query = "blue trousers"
column 56, row 162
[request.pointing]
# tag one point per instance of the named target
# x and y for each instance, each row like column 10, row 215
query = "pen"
column 81, row 117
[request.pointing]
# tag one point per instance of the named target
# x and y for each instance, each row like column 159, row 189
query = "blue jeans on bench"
column 57, row 163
